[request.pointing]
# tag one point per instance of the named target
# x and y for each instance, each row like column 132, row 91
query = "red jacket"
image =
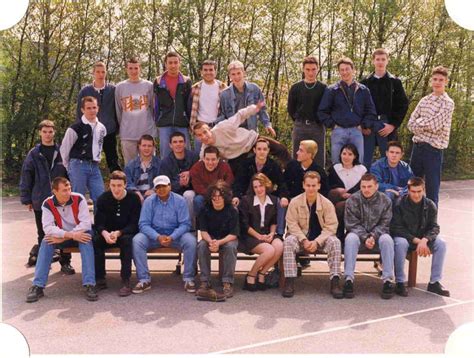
column 201, row 178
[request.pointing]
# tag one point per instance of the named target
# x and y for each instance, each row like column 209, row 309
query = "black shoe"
column 438, row 288
column 336, row 291
column 100, row 284
column 289, row 289
column 388, row 290
column 348, row 289
column 261, row 285
column 68, row 269
column 305, row 263
column 34, row 294
column 91, row 293
column 401, row 289
column 252, row 287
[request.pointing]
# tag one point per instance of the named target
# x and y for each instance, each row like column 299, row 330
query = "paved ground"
column 168, row 320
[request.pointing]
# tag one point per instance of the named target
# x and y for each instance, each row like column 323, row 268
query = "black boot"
column 289, row 289
column 336, row 291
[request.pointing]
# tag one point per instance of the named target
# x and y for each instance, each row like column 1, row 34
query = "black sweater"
column 113, row 214
column 294, row 174
column 303, row 103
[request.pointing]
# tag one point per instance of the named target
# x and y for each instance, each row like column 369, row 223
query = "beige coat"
column 297, row 218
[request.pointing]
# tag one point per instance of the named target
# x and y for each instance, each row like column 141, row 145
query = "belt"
column 210, row 125
column 306, row 122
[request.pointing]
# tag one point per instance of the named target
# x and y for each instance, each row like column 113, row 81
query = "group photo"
column 265, row 177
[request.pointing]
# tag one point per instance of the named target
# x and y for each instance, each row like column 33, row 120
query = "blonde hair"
column 310, row 146
column 235, row 65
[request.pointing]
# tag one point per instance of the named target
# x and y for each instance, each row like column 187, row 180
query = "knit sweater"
column 201, row 178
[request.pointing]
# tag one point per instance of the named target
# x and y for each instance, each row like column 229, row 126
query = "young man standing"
column 348, row 109
column 66, row 223
column 172, row 91
column 414, row 227
column 134, row 106
column 104, row 92
column 241, row 94
column 367, row 220
column 143, row 169
column 81, row 150
column 303, row 102
column 203, row 103
column 392, row 172
column 312, row 225
column 430, row 124
column 42, row 164
column 391, row 104
column 116, row 223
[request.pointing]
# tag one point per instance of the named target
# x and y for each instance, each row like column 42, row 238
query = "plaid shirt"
column 195, row 94
column 430, row 122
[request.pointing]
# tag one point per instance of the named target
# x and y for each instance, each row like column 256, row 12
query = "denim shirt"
column 253, row 95
column 133, row 171
column 169, row 217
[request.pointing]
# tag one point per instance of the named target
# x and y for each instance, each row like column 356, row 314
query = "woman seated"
column 219, row 225
column 258, row 219
column 344, row 180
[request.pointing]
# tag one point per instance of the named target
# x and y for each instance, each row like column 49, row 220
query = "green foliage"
column 47, row 57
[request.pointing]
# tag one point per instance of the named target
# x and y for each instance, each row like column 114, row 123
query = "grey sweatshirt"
column 134, row 107
column 368, row 217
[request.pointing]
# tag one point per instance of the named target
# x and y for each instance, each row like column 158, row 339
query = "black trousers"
column 110, row 150
column 124, row 242
column 64, row 258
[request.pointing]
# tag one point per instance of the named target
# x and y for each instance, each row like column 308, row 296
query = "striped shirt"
column 143, row 184
column 430, row 122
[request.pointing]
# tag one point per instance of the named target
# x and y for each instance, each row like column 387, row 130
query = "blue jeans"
column 438, row 250
column 351, row 249
column 45, row 256
column 165, row 133
column 341, row 136
column 426, row 161
column 281, row 219
column 186, row 243
column 370, row 142
column 198, row 203
column 86, row 175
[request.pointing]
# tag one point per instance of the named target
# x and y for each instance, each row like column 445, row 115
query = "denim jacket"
column 133, row 172
column 253, row 95
column 381, row 170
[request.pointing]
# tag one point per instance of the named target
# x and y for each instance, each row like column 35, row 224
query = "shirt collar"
column 85, row 121
column 256, row 202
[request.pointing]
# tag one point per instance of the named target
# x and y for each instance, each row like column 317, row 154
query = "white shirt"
column 350, row 177
column 256, row 202
column 208, row 102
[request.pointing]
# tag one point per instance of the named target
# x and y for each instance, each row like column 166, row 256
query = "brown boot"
column 208, row 294
column 336, row 291
column 125, row 290
column 289, row 289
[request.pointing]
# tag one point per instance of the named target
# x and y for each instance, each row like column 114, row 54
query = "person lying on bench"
column 66, row 223
column 116, row 222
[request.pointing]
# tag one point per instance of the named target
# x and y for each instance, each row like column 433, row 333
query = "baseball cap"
column 161, row 180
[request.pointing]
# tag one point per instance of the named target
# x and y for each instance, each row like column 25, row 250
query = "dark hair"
column 210, row 150
column 177, row 134
column 264, row 180
column 440, row 70
column 312, row 175
column 394, row 143
column 209, row 63
column 262, row 140
column 222, row 188
column 345, row 61
column 133, row 59
column 368, row 177
column 45, row 123
column 199, row 125
column 146, row 137
column 57, row 181
column 415, row 181
column 310, row 60
column 118, row 175
column 87, row 99
column 171, row 54
column 379, row 52
column 354, row 150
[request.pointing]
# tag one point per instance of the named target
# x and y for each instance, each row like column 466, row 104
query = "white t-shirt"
column 208, row 102
column 350, row 177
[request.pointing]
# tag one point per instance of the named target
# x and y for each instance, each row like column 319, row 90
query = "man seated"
column 414, row 227
column 312, row 225
column 234, row 142
column 391, row 172
column 164, row 222
column 219, row 225
column 116, row 222
column 66, row 223
column 176, row 166
column 207, row 172
column 141, row 170
column 262, row 163
column 367, row 219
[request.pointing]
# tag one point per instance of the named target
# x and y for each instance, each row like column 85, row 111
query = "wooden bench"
column 364, row 255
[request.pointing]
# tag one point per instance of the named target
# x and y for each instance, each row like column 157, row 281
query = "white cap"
column 161, row 180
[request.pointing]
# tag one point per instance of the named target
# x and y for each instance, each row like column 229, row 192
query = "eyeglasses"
column 216, row 197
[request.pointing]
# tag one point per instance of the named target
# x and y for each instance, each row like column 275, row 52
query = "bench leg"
column 412, row 267
column 178, row 265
